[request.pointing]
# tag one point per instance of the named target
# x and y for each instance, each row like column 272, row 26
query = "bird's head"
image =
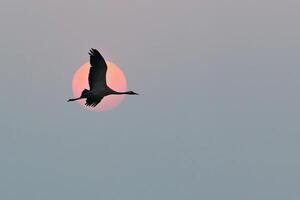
column 132, row 93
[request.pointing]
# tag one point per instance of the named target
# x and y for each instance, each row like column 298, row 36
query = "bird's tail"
column 84, row 92
column 83, row 95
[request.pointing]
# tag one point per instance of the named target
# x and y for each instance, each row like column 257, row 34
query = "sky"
column 216, row 118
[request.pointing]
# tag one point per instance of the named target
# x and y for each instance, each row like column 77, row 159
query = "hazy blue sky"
column 217, row 118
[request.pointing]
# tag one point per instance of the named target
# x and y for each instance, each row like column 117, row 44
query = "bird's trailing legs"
column 75, row 99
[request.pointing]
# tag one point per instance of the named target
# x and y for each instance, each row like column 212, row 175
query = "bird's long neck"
column 115, row 92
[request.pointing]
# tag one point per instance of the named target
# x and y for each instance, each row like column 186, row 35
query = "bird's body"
column 97, row 81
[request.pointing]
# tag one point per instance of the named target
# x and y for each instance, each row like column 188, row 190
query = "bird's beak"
column 136, row 94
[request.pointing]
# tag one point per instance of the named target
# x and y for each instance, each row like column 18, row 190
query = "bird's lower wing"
column 92, row 102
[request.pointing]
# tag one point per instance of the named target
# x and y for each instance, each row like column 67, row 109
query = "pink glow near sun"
column 115, row 79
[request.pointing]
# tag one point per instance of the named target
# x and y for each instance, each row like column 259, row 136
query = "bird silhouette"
column 97, row 82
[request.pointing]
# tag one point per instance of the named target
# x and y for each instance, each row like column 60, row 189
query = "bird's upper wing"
column 97, row 74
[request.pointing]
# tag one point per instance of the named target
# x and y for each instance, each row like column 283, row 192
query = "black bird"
column 97, row 81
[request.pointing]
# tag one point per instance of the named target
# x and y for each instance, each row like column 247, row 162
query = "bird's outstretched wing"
column 97, row 74
column 92, row 102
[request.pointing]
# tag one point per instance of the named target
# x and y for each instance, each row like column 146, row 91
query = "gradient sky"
column 217, row 118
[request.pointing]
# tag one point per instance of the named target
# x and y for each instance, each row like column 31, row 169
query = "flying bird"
column 97, row 82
